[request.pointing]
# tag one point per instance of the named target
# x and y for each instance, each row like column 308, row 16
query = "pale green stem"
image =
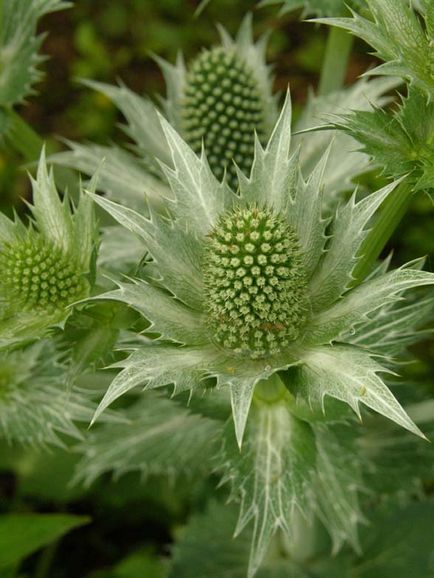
column 391, row 214
column 335, row 63
column 21, row 137
column 270, row 390
column 301, row 546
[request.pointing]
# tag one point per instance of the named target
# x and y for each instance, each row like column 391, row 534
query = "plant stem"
column 392, row 212
column 270, row 390
column 23, row 138
column 335, row 62
column 28, row 143
column 45, row 560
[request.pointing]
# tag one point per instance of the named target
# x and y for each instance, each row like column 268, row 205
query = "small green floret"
column 36, row 275
column 256, row 287
column 222, row 108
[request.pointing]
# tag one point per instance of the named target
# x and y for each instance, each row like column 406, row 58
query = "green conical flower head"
column 37, row 275
column 223, row 108
column 256, row 287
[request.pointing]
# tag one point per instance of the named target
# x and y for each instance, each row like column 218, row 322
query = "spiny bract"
column 255, row 286
column 222, row 109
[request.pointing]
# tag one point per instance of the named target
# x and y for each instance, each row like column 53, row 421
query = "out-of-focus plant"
column 20, row 68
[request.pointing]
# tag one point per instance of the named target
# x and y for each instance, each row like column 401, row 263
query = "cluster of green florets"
column 256, row 288
column 222, row 108
column 36, row 275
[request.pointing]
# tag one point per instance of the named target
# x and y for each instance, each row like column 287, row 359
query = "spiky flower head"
column 255, row 294
column 38, row 276
column 222, row 314
column 222, row 110
column 46, row 267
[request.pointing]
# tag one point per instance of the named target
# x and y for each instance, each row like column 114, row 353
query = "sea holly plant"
column 248, row 291
column 219, row 100
column 256, row 339
column 46, row 266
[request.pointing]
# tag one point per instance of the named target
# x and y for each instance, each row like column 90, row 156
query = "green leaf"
column 207, row 543
column 154, row 430
column 275, row 180
column 19, row 45
column 305, row 215
column 120, row 250
column 271, row 475
column 400, row 142
column 52, row 215
column 398, row 543
column 23, row 534
column 153, row 364
column 393, row 329
column 351, row 375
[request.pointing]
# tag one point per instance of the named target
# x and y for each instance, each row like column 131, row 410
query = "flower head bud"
column 255, row 284
column 38, row 276
column 222, row 107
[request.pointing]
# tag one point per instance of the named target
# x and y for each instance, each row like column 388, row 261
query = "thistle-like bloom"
column 45, row 267
column 219, row 100
column 247, row 290
column 242, row 286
